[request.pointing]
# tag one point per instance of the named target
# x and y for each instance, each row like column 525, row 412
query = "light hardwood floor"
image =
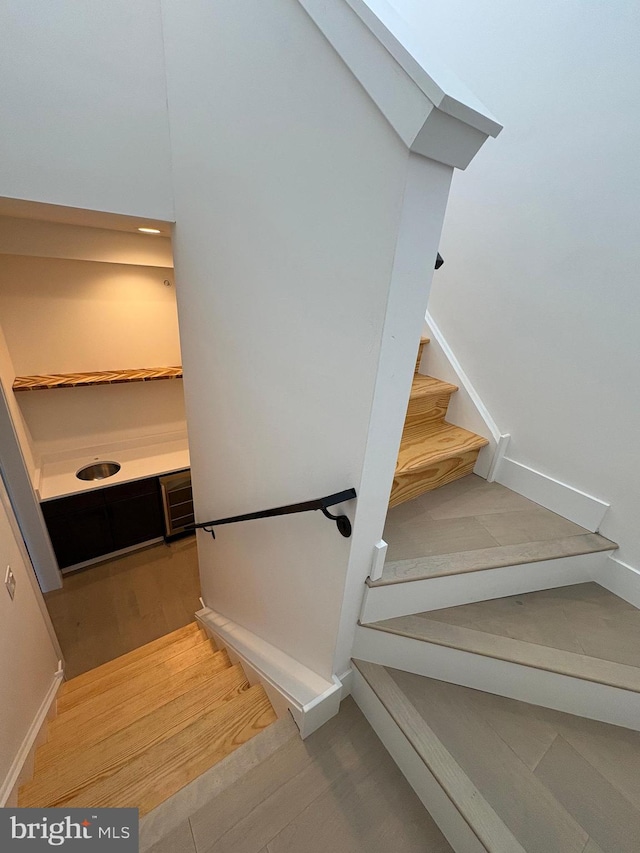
column 583, row 618
column 468, row 515
column 110, row 609
column 562, row 784
column 337, row 791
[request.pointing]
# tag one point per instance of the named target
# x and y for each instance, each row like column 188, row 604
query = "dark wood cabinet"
column 89, row 525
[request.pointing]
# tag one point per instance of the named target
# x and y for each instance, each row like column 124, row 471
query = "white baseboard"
column 403, row 599
column 620, row 579
column 451, row 823
column 311, row 699
column 21, row 769
column 565, row 500
column 589, row 699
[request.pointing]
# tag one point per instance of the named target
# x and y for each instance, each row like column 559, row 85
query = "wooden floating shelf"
column 100, row 377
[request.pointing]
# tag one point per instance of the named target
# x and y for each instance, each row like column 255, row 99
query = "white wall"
column 288, row 185
column 63, row 316
column 539, row 294
column 28, row 659
column 83, row 99
column 69, row 419
column 7, row 375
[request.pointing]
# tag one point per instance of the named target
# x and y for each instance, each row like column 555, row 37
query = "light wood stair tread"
column 461, row 562
column 465, row 796
column 555, row 781
column 66, row 771
column 143, row 680
column 100, row 720
column 582, row 631
column 422, row 447
column 169, row 765
column 425, row 386
column 184, row 638
column 131, row 666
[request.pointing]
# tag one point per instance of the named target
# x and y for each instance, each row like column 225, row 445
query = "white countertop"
column 58, row 476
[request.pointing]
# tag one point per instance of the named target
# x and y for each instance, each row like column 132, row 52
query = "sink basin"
column 98, row 471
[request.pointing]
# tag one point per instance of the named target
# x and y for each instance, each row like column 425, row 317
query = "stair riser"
column 408, row 486
column 429, row 791
column 427, row 409
column 528, row 684
column 423, row 344
column 403, row 599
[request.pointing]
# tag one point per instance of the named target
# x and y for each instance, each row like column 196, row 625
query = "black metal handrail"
column 342, row 522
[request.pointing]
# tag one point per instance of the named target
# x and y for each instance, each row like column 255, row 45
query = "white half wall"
column 538, row 296
column 29, row 659
column 288, row 185
column 83, row 93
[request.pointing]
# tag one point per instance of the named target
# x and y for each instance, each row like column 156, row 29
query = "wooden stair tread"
column 421, row 447
column 461, row 562
column 582, row 631
column 140, row 682
column 187, row 637
column 426, row 386
column 474, row 808
column 554, row 781
column 100, row 720
column 166, row 767
column 65, row 770
column 130, row 669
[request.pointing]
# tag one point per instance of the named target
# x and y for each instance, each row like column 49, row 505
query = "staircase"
column 432, row 451
column 501, row 676
column 137, row 729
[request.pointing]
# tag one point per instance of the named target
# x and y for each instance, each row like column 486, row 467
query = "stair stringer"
column 291, row 687
column 466, row 408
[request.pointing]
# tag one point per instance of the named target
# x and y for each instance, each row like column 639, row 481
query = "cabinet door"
column 136, row 520
column 79, row 536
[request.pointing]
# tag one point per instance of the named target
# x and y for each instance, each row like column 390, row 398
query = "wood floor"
column 580, row 630
column 109, row 609
column 560, row 783
column 468, row 515
column 583, row 618
column 337, row 791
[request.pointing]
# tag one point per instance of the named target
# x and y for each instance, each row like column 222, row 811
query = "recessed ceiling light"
column 149, row 230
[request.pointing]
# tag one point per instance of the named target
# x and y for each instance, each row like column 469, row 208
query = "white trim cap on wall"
column 428, row 107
